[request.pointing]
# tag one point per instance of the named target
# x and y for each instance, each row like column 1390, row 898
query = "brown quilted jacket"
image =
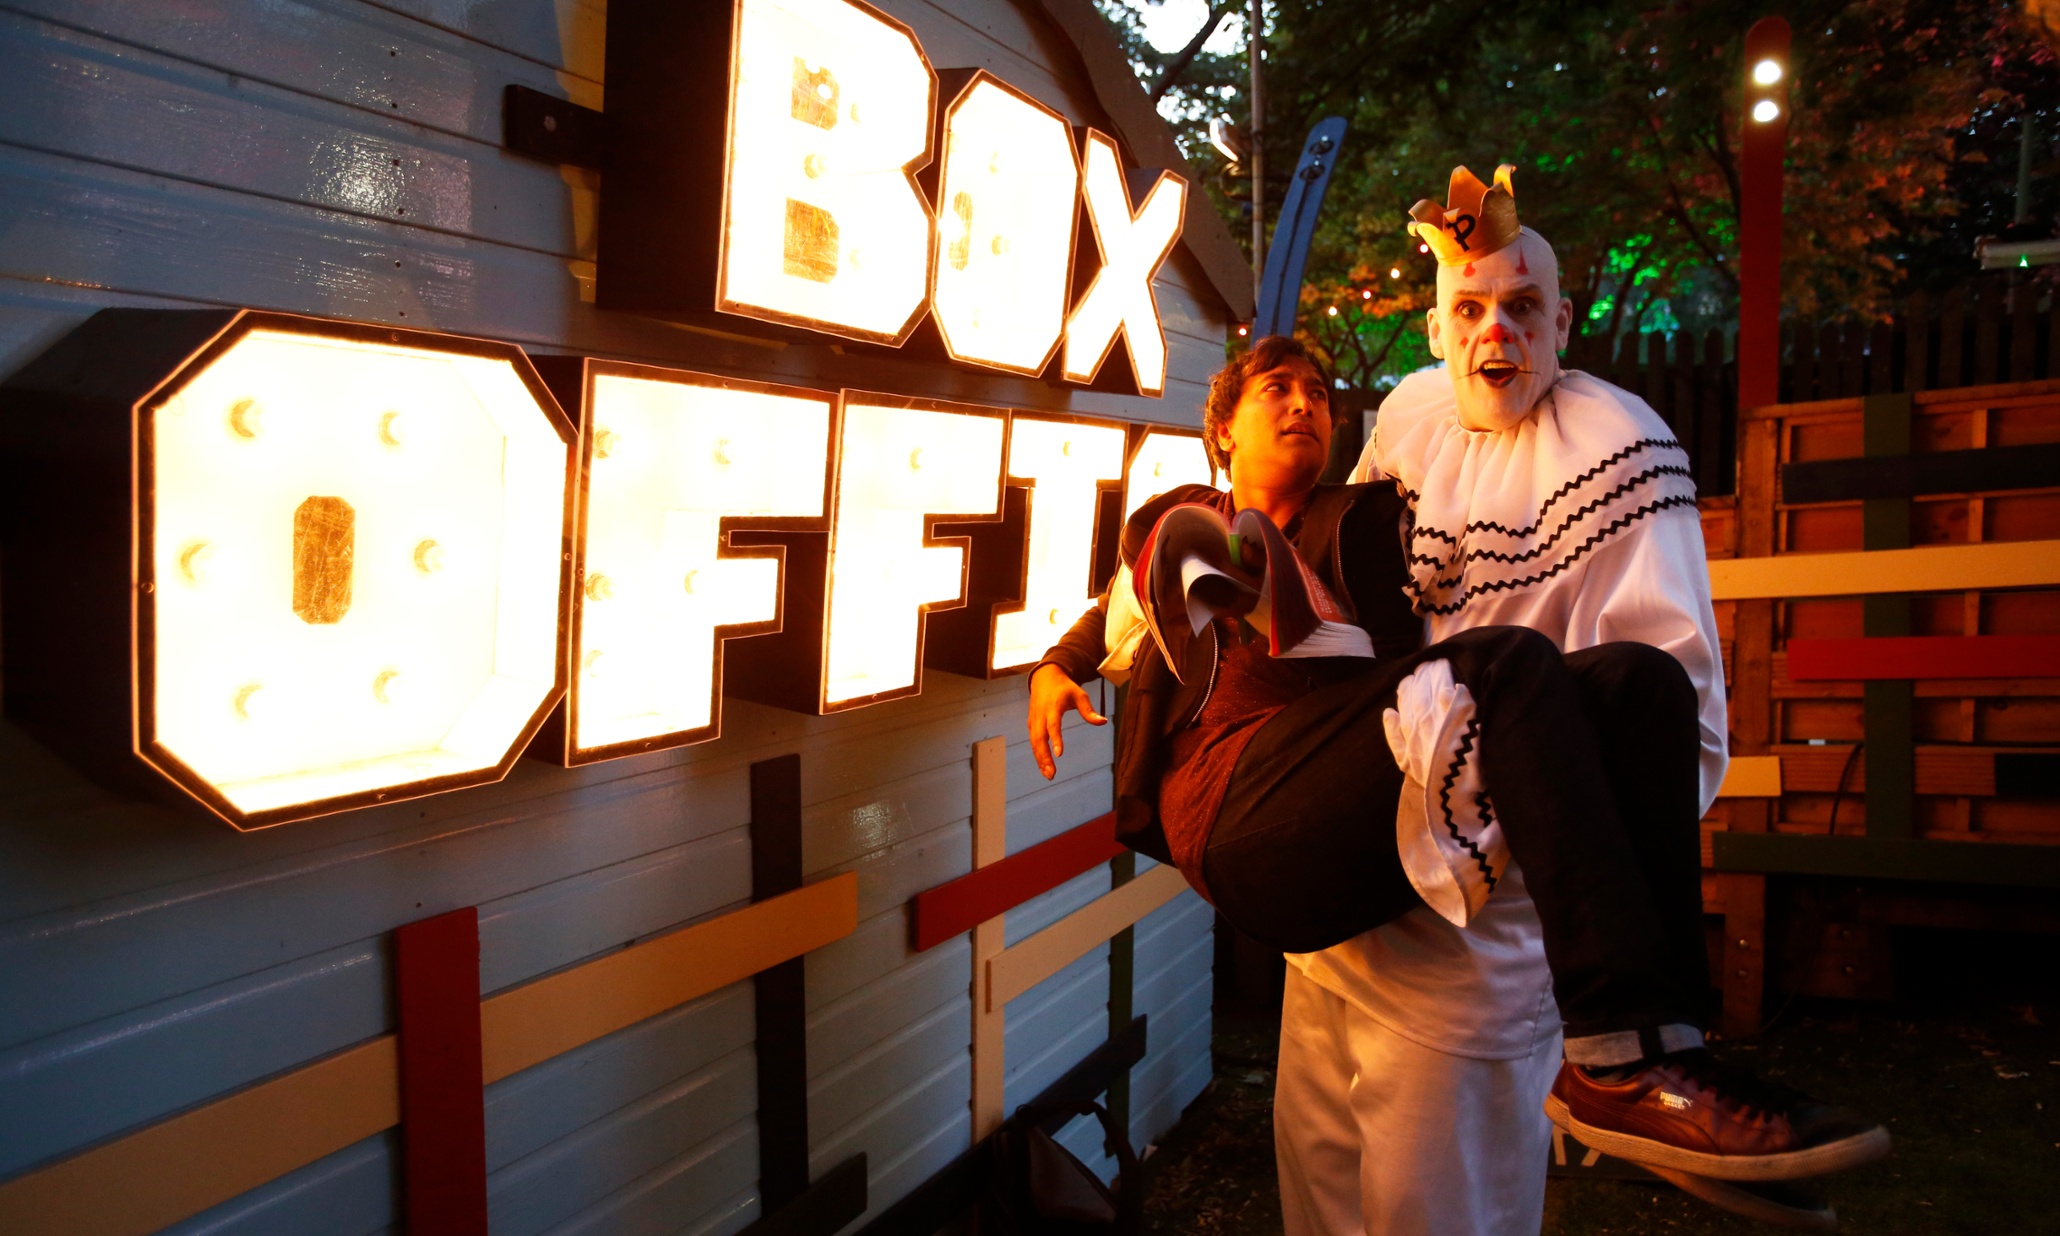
column 1351, row 535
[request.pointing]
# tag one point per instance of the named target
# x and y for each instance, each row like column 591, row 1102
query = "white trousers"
column 1377, row 1135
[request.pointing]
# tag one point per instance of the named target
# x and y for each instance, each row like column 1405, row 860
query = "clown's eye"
column 1467, row 309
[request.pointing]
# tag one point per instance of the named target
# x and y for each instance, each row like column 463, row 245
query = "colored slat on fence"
column 957, row 907
column 443, row 1103
column 1925, row 657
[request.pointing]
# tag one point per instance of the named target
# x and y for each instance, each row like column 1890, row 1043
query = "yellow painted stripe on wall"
column 1018, row 969
column 1930, row 568
column 553, row 1015
column 1752, row 776
column 179, row 1167
column 176, row 1168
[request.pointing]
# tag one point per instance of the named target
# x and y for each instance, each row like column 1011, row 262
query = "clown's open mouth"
column 1498, row 374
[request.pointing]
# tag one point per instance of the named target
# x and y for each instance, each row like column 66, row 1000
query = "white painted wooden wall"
column 341, row 157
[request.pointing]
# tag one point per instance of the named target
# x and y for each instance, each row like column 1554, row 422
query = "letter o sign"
column 352, row 549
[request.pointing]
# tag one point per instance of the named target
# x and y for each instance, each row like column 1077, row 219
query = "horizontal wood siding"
column 342, row 158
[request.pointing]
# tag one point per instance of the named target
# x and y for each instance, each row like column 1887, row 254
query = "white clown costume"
column 1415, row 1057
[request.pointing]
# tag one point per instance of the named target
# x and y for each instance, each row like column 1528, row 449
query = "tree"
column 1623, row 121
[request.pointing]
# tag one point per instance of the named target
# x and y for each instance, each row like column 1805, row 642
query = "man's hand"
column 1052, row 695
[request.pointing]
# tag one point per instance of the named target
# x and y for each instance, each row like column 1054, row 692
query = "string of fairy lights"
column 1335, row 308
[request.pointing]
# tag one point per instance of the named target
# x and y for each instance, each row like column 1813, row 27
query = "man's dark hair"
column 1229, row 383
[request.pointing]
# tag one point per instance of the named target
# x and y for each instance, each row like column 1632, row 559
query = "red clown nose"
column 1499, row 333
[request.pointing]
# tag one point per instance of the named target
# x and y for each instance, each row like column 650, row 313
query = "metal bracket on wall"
column 540, row 126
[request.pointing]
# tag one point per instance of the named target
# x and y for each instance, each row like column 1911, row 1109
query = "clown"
column 1416, row 1058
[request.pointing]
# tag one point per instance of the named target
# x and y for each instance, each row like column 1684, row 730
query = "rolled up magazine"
column 1198, row 567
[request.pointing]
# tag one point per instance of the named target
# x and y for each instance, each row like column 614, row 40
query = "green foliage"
column 1623, row 121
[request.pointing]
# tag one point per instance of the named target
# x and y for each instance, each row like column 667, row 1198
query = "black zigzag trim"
column 1642, row 444
column 1510, row 585
column 1466, row 740
column 1490, row 555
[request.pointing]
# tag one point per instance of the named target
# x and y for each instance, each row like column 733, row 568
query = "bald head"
column 1498, row 326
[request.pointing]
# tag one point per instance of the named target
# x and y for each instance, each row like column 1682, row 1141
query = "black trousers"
column 1591, row 762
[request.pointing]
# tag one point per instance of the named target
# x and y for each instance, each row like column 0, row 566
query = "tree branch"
column 1187, row 54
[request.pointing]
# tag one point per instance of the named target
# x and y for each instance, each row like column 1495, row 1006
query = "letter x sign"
column 1132, row 246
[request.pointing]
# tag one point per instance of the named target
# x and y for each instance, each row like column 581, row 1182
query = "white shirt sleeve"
column 1366, row 470
column 1652, row 585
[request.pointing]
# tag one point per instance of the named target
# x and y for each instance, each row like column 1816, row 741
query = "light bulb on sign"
column 1132, row 247
column 1067, row 462
column 304, row 540
column 1765, row 111
column 1003, row 257
column 709, row 450
column 830, row 107
column 882, row 575
column 1162, row 462
column 1767, row 72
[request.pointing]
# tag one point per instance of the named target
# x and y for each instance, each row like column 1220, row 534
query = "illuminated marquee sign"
column 1035, row 573
column 1132, row 245
column 1163, row 460
column 294, row 566
column 822, row 224
column 1002, row 268
column 816, row 127
column 675, row 464
column 905, row 465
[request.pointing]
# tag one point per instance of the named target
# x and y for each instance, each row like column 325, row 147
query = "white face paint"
column 1498, row 327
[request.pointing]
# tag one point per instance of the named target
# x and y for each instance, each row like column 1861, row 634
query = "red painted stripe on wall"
column 1925, row 656
column 443, row 1103
column 956, row 907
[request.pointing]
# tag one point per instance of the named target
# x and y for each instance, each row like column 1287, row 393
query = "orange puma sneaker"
column 1688, row 1112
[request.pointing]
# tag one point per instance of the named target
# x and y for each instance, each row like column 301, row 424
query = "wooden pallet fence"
column 1999, row 328
column 1885, row 582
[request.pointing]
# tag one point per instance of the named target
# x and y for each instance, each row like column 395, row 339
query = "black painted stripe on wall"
column 1909, row 476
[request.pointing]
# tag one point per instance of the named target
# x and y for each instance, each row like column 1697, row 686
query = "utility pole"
column 1257, row 138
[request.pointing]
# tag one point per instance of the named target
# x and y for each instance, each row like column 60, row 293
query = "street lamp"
column 1759, row 224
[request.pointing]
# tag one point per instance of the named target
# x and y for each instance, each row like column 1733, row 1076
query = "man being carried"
column 1315, row 800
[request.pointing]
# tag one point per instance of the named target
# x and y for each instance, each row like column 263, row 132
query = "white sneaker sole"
column 1838, row 1156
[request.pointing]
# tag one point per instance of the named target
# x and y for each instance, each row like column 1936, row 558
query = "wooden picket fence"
column 1998, row 328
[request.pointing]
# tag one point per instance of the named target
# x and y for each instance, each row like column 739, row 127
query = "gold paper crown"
column 1476, row 221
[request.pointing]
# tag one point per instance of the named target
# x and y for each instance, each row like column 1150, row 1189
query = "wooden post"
column 1988, row 334
column 443, row 1107
column 2052, row 342
column 1803, row 384
column 1854, row 349
column 990, row 845
column 2023, row 347
column 1881, row 359
column 1888, row 708
column 1952, row 341
column 1752, row 677
column 1916, row 343
column 781, row 998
